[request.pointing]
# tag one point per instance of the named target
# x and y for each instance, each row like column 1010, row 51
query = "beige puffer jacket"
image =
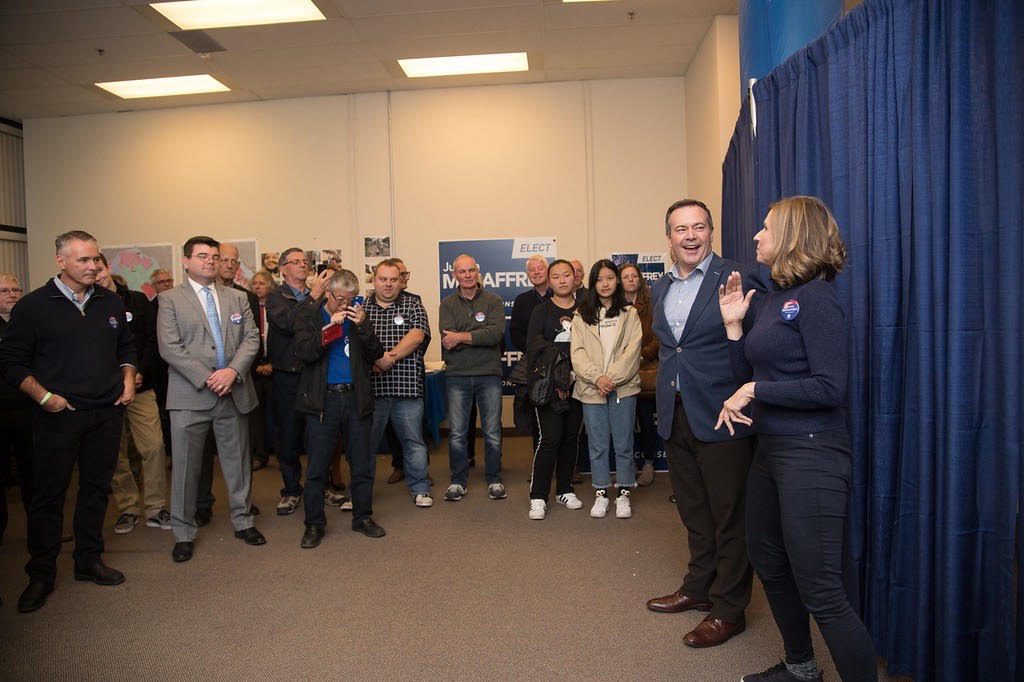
column 588, row 358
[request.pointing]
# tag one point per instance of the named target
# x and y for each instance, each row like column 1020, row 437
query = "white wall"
column 591, row 163
column 712, row 87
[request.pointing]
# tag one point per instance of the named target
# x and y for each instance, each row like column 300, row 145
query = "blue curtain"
column 907, row 118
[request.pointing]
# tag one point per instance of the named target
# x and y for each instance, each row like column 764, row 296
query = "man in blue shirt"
column 337, row 345
column 707, row 468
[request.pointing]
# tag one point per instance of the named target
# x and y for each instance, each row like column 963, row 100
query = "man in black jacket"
column 141, row 420
column 68, row 347
column 15, row 416
column 338, row 346
column 282, row 308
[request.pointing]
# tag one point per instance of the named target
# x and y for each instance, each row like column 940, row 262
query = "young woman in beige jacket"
column 606, row 336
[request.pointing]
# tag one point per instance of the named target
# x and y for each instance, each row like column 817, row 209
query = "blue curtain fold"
column 907, row 117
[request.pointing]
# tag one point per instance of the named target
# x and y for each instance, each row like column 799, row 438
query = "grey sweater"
column 484, row 318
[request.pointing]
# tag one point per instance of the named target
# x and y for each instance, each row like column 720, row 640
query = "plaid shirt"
column 405, row 379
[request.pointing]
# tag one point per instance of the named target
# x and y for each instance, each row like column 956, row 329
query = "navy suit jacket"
column 699, row 361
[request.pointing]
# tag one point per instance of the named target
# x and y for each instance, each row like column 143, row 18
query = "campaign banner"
column 502, row 265
column 651, row 265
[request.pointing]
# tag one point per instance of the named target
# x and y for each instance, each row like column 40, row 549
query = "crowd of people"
column 743, row 380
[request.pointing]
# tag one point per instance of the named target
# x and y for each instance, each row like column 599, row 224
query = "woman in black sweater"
column 558, row 422
column 794, row 363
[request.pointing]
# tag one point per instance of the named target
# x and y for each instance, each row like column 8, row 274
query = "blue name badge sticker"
column 236, row 318
column 790, row 309
column 480, row 317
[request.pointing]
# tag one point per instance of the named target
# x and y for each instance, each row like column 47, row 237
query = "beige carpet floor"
column 467, row 590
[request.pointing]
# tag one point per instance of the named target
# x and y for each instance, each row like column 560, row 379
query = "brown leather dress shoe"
column 712, row 632
column 677, row 603
column 396, row 476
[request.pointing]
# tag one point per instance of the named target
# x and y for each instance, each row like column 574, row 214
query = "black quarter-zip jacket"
column 77, row 355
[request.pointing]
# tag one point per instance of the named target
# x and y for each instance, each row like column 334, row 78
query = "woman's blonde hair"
column 807, row 242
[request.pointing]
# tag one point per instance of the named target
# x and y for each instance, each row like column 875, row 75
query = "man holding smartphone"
column 337, row 345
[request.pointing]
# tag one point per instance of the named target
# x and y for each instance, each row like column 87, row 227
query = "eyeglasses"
column 206, row 256
column 14, row 290
column 295, row 261
column 338, row 297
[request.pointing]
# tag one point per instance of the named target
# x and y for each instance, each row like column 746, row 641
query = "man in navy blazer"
column 708, row 468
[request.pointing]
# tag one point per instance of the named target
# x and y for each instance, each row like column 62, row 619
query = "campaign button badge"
column 128, row 316
column 790, row 309
column 236, row 318
column 399, row 320
column 480, row 317
column 113, row 322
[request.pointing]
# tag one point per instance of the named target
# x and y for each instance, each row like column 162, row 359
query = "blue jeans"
column 406, row 415
column 611, row 424
column 462, row 391
column 340, row 418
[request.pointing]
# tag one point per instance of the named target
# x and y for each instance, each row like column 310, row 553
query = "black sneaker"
column 776, row 673
column 162, row 520
column 125, row 523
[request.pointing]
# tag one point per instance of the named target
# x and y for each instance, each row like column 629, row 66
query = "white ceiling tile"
column 77, row 25
column 477, row 43
column 645, row 12
column 285, row 35
column 85, row 74
column 28, row 78
column 31, row 6
column 450, row 23
column 325, row 89
column 604, row 73
column 295, row 57
column 256, row 78
column 55, row 95
column 16, row 110
column 80, row 108
column 9, row 61
column 189, row 100
column 613, row 57
column 116, row 49
column 371, row 8
column 690, row 33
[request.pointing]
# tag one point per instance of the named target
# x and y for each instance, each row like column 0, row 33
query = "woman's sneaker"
column 538, row 509
column 570, row 501
column 622, row 506
column 600, row 507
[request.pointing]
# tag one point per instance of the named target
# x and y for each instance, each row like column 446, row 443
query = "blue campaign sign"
column 651, row 265
column 502, row 265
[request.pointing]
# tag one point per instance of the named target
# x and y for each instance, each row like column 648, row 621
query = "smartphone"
column 358, row 300
column 320, row 267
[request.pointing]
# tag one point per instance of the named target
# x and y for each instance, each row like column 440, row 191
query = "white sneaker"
column 346, row 505
column 600, row 507
column 622, row 507
column 424, row 500
column 570, row 501
column 538, row 509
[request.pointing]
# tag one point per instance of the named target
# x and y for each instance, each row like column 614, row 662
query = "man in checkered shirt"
column 400, row 322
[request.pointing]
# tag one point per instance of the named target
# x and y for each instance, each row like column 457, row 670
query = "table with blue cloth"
column 435, row 405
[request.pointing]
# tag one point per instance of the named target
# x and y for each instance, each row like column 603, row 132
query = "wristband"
column 45, row 398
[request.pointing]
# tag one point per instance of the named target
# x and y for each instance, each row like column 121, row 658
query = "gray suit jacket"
column 186, row 344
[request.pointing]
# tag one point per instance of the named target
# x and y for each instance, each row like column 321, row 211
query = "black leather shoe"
column 254, row 510
column 182, row 551
column 251, row 536
column 369, row 528
column 100, row 574
column 312, row 537
column 34, row 596
column 203, row 517
column 260, row 462
column 677, row 602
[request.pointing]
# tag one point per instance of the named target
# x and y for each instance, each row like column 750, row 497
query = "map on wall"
column 137, row 263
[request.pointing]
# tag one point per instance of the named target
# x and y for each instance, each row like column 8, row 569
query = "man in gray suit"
column 209, row 340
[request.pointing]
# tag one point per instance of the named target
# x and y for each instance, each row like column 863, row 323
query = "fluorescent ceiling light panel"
column 191, row 14
column 427, row 67
column 164, row 87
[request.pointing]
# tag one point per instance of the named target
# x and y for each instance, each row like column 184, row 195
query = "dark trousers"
column 291, row 429
column 15, row 448
column 797, row 495
column 709, row 481
column 91, row 439
column 557, row 435
column 259, row 436
column 646, row 408
column 340, row 417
